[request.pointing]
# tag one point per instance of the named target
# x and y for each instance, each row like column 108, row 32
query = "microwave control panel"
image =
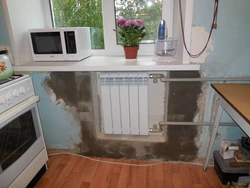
column 70, row 42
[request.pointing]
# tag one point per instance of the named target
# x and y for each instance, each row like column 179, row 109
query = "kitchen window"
column 40, row 12
column 80, row 13
column 93, row 13
column 149, row 11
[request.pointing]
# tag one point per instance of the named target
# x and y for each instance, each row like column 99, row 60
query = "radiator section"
column 124, row 97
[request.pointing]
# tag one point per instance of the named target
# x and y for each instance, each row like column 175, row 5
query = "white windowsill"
column 107, row 63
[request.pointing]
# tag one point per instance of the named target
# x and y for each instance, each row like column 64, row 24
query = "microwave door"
column 47, row 46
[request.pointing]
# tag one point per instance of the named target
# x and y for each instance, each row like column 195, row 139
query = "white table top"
column 238, row 96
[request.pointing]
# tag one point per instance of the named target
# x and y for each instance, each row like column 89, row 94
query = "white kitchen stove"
column 23, row 153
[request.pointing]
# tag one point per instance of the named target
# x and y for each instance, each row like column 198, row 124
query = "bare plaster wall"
column 72, row 92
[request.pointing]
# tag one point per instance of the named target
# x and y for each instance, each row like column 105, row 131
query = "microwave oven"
column 60, row 44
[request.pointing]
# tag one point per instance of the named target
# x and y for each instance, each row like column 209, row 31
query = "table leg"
column 211, row 142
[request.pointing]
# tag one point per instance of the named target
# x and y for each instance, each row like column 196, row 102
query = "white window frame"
column 168, row 14
column 111, row 47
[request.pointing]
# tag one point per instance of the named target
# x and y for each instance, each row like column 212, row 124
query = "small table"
column 235, row 100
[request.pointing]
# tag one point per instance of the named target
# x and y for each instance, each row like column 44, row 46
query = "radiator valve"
column 156, row 129
column 155, row 77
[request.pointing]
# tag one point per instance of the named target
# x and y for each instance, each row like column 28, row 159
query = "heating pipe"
column 161, row 77
column 156, row 129
column 155, row 77
column 164, row 123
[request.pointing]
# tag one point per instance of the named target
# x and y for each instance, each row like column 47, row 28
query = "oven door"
column 21, row 139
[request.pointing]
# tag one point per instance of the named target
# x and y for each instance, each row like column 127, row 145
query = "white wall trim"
column 10, row 31
column 188, row 29
column 168, row 14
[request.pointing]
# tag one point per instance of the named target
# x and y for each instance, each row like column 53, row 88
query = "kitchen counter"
column 107, row 63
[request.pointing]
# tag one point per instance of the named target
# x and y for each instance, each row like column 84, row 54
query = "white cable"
column 118, row 163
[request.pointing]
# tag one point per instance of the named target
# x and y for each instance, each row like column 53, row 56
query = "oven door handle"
column 18, row 109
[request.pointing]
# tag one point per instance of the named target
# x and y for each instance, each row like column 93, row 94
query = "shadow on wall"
column 75, row 89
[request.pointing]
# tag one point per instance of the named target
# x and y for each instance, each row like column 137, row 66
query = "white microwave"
column 60, row 44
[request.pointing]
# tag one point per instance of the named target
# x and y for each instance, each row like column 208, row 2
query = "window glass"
column 150, row 11
column 80, row 13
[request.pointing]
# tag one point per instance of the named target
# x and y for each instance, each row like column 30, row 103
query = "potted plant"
column 131, row 34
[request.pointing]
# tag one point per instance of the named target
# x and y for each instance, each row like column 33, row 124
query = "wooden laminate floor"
column 74, row 171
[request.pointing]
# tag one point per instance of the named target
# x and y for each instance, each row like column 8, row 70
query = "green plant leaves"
column 131, row 35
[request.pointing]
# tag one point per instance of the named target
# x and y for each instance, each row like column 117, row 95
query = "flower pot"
column 131, row 52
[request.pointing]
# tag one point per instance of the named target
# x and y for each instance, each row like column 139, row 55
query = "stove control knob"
column 15, row 93
column 22, row 90
column 8, row 97
column 2, row 100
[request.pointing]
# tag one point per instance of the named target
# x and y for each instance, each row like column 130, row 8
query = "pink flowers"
column 130, row 22
column 123, row 22
column 131, row 32
column 139, row 22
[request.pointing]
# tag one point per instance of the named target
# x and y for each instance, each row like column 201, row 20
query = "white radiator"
column 124, row 97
